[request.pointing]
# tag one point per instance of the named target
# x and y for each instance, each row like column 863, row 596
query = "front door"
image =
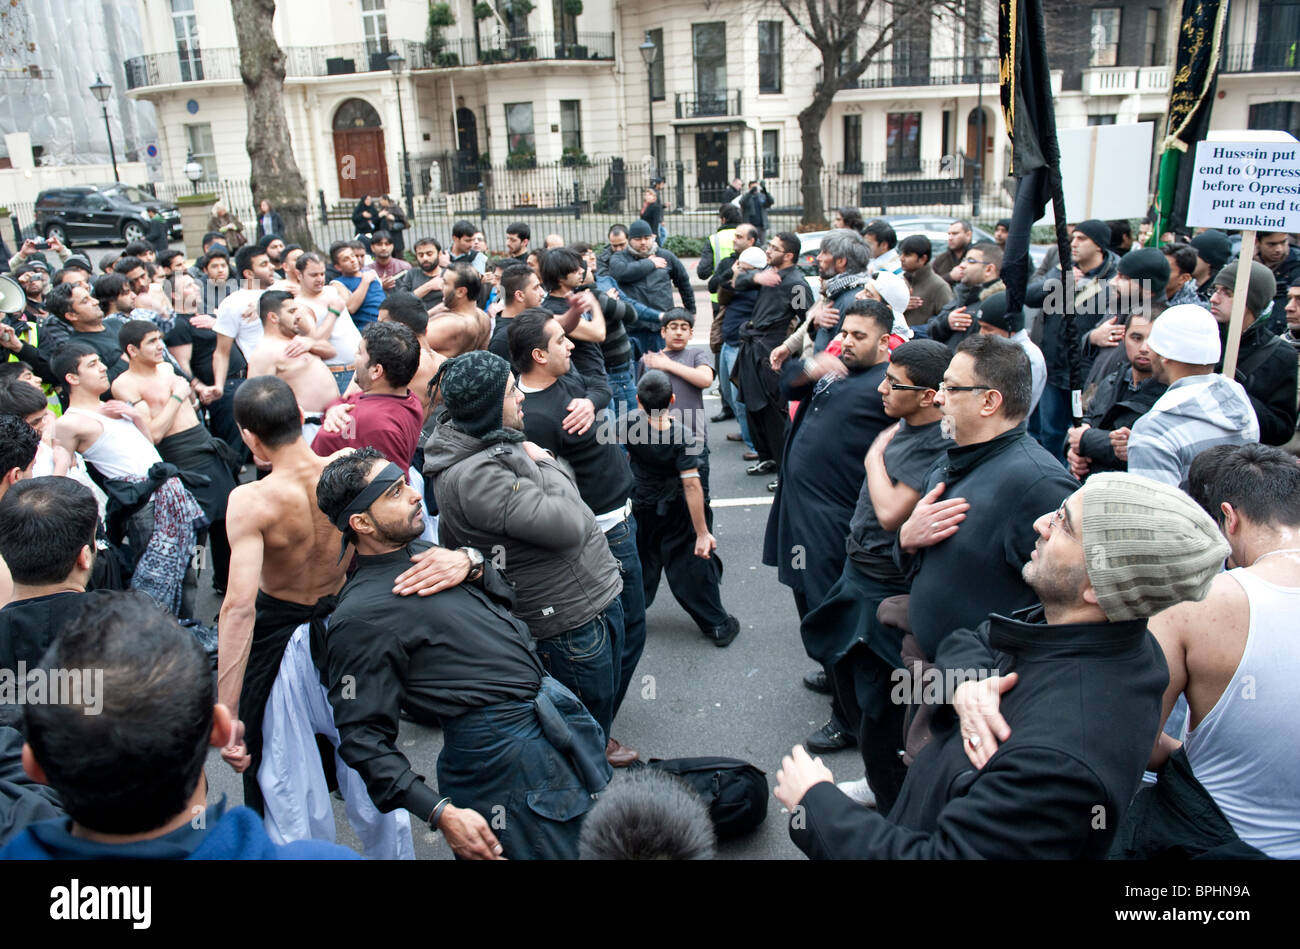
column 362, row 168
column 711, row 166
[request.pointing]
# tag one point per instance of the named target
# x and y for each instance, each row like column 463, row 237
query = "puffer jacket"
column 529, row 518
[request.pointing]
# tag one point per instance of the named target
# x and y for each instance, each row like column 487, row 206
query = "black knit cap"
column 1146, row 263
column 473, row 389
column 993, row 311
column 1096, row 231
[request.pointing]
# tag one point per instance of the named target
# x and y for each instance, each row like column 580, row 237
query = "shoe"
column 724, row 415
column 761, row 467
column 723, row 635
column 829, row 738
column 859, row 792
column 618, row 755
column 817, row 682
column 773, row 485
column 734, row 437
column 749, row 456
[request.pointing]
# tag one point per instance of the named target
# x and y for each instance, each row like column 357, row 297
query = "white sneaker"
column 859, row 791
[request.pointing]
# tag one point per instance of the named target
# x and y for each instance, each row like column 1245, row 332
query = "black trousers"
column 219, row 550
column 665, row 542
column 861, row 683
column 840, row 719
column 768, row 427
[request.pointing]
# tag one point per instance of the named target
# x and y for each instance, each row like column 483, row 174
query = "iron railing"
column 703, row 104
column 926, row 71
column 1277, row 56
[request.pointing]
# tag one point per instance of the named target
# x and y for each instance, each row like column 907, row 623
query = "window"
column 710, row 47
column 185, row 27
column 199, row 140
column 1275, row 46
column 853, row 144
column 849, row 56
column 1103, row 42
column 660, row 150
column 912, row 53
column 521, row 145
column 566, row 24
column 1101, row 120
column 1154, row 52
column 902, row 141
column 771, row 153
column 769, row 55
column 657, row 70
column 374, row 26
column 972, row 29
column 1282, row 116
column 571, row 126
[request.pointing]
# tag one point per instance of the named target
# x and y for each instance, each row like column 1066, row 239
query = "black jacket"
column 754, row 204
column 1083, row 718
column 971, row 298
column 1266, row 369
column 1009, row 481
column 277, row 225
column 774, row 310
column 641, row 280
column 1091, row 306
column 1284, row 272
column 1115, row 404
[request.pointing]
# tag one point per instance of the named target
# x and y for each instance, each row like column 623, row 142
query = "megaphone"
column 12, row 296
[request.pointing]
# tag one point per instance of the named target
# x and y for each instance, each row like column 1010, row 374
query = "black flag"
column 1026, row 84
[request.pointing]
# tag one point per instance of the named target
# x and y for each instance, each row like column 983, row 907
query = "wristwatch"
column 475, row 562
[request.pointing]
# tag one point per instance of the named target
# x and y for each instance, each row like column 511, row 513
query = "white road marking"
column 740, row 502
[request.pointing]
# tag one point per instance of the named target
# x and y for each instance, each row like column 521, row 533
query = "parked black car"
column 98, row 214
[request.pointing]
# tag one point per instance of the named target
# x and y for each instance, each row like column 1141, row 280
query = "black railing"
column 1279, row 56
column 704, row 104
column 934, row 71
column 222, row 63
column 503, row 48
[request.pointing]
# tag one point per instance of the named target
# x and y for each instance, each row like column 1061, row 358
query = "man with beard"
column 963, row 554
column 1120, row 399
column 424, row 280
column 457, row 325
column 515, row 740
column 1082, row 681
column 840, row 410
column 959, row 241
column 386, row 265
column 842, row 263
column 647, row 273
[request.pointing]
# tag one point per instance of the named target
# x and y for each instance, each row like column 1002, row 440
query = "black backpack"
column 735, row 791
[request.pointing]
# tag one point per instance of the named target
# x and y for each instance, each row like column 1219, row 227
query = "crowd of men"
column 447, row 492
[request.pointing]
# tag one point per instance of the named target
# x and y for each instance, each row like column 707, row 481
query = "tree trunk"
column 810, row 161
column 275, row 176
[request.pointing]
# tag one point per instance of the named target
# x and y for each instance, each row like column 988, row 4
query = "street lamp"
column 193, row 170
column 649, row 53
column 981, row 42
column 102, row 90
column 395, row 63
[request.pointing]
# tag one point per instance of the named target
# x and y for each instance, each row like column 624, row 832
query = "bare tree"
column 834, row 27
column 275, row 175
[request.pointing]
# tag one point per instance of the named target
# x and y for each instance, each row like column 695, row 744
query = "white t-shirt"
column 345, row 337
column 247, row 333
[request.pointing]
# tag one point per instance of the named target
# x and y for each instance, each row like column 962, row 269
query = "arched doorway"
column 466, row 176
column 359, row 150
column 977, row 151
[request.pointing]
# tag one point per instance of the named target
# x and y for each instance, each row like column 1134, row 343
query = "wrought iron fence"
column 1276, row 56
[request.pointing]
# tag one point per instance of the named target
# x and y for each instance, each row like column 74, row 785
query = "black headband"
column 366, row 497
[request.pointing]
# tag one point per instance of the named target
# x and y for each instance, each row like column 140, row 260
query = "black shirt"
column 106, row 345
column 442, row 656
column 599, row 465
column 203, row 344
column 27, row 627
column 588, row 359
column 909, row 456
column 658, row 459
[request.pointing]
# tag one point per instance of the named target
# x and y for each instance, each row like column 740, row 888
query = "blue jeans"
column 1051, row 420
column 622, row 382
column 730, row 395
column 343, row 380
column 622, row 544
column 583, row 660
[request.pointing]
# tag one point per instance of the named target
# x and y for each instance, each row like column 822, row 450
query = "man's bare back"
column 452, row 332
column 310, row 379
column 156, row 389
column 281, row 544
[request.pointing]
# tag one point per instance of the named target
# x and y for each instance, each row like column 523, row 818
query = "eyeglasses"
column 945, row 387
column 1059, row 518
column 889, row 381
column 973, row 260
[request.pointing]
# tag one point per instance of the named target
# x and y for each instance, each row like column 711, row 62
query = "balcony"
column 702, row 105
column 922, row 71
column 1126, row 81
column 306, row 62
column 1280, row 56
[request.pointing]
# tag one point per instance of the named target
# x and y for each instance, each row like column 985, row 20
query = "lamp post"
column 395, row 63
column 193, row 170
column 981, row 42
column 649, row 53
column 102, row 90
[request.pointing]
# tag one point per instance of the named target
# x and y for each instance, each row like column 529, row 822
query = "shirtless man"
column 287, row 567
column 117, row 440
column 457, row 325
column 289, row 351
column 163, row 399
column 333, row 321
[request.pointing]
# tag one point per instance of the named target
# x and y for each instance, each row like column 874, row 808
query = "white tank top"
column 122, row 451
column 1246, row 752
column 344, row 337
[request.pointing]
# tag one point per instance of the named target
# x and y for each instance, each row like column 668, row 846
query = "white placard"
column 1104, row 172
column 1244, row 185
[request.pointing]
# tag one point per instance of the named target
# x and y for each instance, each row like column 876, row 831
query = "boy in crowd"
column 690, row 371
column 674, row 536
